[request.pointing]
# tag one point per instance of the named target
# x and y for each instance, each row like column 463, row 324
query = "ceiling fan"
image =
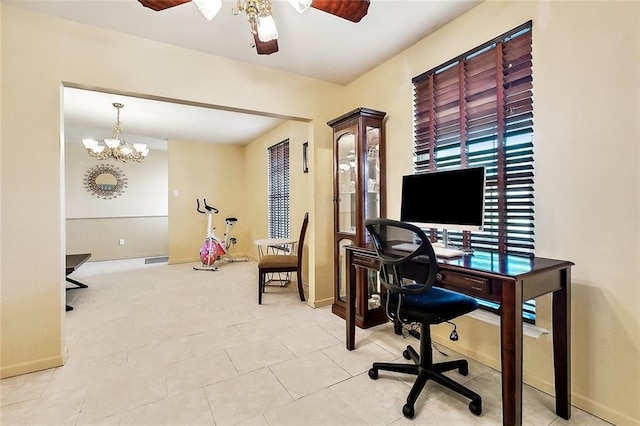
column 263, row 27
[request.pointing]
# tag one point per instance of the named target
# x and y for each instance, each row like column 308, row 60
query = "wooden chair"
column 273, row 263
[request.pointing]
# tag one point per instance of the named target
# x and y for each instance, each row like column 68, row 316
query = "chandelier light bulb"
column 139, row 147
column 89, row 143
column 111, row 142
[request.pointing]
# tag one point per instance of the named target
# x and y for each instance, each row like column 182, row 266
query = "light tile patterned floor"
column 164, row 344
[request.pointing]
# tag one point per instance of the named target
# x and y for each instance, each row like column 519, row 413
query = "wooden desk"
column 73, row 262
column 509, row 280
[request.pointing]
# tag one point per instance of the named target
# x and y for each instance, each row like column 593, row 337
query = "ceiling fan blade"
column 352, row 10
column 265, row 47
column 162, row 4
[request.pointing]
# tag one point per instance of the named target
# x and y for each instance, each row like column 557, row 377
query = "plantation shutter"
column 477, row 110
column 278, row 190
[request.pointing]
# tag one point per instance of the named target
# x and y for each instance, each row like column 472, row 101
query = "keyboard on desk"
column 442, row 252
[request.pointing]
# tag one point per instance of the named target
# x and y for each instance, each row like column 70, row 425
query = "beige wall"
column 587, row 202
column 587, row 108
column 144, row 236
column 206, row 171
column 32, row 317
column 233, row 179
column 255, row 170
column 138, row 216
column 145, row 194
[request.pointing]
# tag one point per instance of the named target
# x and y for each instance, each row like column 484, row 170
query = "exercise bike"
column 213, row 248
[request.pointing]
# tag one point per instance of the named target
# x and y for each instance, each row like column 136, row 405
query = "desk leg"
column 511, row 352
column 350, row 313
column 562, row 344
column 78, row 283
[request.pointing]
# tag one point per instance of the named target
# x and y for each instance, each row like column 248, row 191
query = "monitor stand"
column 445, row 243
column 445, row 238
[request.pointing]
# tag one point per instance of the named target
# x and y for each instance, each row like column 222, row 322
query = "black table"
column 74, row 261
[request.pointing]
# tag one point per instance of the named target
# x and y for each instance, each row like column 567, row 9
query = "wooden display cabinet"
column 358, row 194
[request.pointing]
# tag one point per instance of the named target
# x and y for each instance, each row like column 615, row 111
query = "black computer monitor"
column 448, row 200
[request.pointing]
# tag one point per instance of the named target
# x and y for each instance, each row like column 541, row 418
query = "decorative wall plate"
column 105, row 181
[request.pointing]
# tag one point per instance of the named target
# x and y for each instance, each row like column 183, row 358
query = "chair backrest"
column 303, row 233
column 408, row 262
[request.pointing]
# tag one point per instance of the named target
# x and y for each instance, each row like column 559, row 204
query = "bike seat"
column 231, row 219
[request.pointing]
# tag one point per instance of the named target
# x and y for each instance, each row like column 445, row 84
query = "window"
column 477, row 110
column 278, row 190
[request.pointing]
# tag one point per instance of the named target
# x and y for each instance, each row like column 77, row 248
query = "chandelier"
column 116, row 147
column 259, row 14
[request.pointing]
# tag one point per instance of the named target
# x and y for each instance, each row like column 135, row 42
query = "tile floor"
column 164, row 344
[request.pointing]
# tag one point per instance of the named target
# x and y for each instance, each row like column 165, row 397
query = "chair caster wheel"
column 408, row 411
column 373, row 373
column 406, row 355
column 476, row 407
column 464, row 371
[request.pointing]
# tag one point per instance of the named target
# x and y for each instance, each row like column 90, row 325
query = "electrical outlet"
column 121, row 242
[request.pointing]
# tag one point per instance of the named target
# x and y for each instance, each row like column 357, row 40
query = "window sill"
column 528, row 330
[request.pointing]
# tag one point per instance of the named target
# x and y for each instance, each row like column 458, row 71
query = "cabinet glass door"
column 373, row 289
column 342, row 269
column 372, row 174
column 347, row 184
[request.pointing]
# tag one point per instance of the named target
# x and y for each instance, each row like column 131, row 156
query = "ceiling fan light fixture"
column 208, row 8
column 260, row 18
column 301, row 5
column 266, row 27
column 259, row 14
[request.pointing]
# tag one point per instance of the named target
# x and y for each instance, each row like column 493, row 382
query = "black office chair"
column 408, row 271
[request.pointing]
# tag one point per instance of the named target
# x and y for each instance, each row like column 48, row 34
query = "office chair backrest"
column 398, row 244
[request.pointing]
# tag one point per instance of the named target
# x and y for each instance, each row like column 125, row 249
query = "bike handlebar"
column 206, row 206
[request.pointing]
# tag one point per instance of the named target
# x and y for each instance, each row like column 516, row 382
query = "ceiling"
column 314, row 44
column 91, row 114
